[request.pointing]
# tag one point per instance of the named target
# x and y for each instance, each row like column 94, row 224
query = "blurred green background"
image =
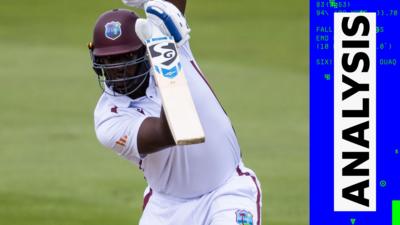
column 53, row 170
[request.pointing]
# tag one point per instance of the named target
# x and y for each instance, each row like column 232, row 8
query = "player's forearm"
column 166, row 131
column 180, row 4
column 154, row 134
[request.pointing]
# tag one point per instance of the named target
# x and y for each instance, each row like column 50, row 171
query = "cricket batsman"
column 197, row 184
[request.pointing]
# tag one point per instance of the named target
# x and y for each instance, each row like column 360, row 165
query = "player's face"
column 118, row 74
column 123, row 73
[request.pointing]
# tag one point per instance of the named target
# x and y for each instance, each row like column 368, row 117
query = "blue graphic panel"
column 321, row 111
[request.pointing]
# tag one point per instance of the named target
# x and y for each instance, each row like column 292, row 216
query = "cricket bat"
column 179, row 108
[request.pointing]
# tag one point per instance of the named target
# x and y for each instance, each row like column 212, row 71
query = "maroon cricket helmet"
column 118, row 55
column 114, row 33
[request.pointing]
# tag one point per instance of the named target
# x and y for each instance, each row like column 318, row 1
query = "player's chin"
column 125, row 88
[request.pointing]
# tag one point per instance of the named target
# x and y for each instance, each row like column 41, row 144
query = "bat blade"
column 179, row 108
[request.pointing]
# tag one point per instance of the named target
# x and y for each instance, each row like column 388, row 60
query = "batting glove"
column 135, row 3
column 169, row 19
column 146, row 30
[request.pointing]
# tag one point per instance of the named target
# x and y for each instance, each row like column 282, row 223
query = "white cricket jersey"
column 184, row 171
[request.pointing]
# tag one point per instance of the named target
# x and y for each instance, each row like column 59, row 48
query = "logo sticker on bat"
column 165, row 59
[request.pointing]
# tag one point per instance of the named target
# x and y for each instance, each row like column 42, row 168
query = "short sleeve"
column 185, row 51
column 119, row 133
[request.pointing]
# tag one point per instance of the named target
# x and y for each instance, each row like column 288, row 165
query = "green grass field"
column 53, row 170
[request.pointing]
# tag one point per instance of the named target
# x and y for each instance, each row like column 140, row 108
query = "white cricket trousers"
column 238, row 201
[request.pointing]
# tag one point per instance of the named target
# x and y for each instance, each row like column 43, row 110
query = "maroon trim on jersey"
column 147, row 198
column 199, row 72
column 208, row 84
column 240, row 173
